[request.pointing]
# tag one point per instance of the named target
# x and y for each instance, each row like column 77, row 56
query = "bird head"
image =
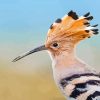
column 65, row 33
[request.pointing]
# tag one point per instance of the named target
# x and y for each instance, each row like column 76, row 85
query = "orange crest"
column 72, row 26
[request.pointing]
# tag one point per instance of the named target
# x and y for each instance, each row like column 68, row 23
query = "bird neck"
column 66, row 64
column 67, row 59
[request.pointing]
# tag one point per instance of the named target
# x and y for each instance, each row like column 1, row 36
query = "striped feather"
column 85, row 85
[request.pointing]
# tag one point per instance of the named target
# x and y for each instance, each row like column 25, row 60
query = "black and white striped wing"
column 82, row 86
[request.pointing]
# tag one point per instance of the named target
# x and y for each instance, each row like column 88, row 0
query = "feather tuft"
column 73, row 15
column 87, row 14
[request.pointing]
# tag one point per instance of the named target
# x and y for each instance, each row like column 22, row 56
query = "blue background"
column 28, row 20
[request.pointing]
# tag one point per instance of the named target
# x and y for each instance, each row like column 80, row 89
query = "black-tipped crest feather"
column 87, row 14
column 95, row 25
column 89, row 18
column 87, row 31
column 51, row 26
column 87, row 24
column 58, row 20
column 95, row 31
column 73, row 15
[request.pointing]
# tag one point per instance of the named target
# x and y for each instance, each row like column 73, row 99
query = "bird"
column 76, row 79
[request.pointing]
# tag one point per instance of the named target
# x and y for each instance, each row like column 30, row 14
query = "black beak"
column 40, row 48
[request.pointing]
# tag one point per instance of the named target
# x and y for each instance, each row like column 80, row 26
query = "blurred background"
column 23, row 26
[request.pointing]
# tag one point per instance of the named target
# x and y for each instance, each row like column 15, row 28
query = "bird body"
column 76, row 79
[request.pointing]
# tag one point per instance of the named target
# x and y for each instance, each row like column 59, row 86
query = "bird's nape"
column 40, row 48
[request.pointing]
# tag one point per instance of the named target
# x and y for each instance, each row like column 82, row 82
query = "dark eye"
column 55, row 45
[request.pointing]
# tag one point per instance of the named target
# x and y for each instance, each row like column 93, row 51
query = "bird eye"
column 55, row 45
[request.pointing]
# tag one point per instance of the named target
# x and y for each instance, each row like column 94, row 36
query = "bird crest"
column 72, row 26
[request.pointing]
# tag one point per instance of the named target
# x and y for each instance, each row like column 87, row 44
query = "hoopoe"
column 76, row 79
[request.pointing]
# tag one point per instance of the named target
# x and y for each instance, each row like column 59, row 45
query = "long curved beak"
column 40, row 48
